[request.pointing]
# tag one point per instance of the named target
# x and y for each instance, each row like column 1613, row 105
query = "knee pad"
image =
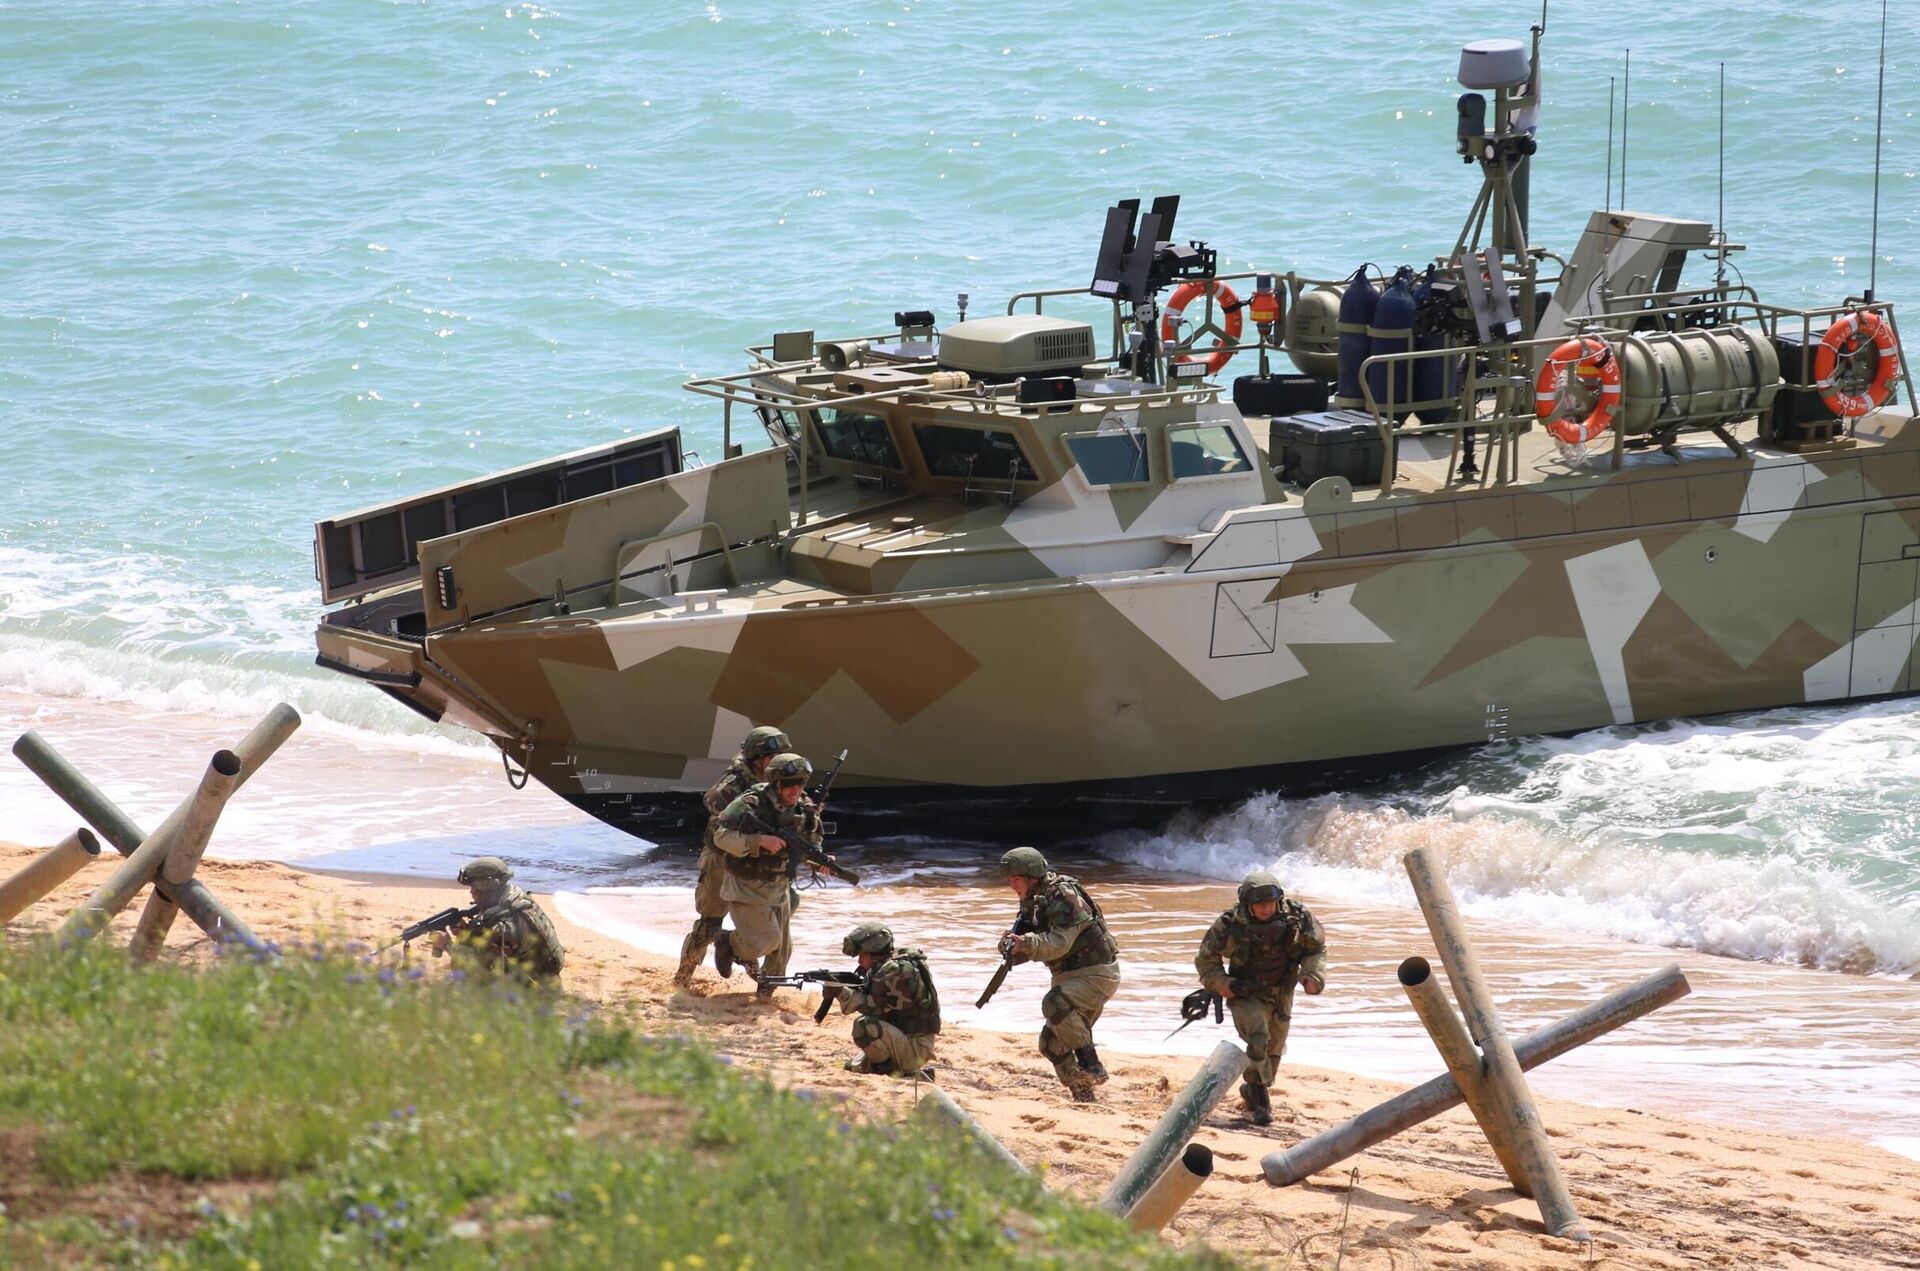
column 1055, row 1007
column 866, row 1031
column 705, row 929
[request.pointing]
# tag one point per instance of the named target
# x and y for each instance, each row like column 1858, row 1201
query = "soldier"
column 1252, row 955
column 748, row 768
column 1064, row 929
column 512, row 935
column 898, row 1007
column 755, row 863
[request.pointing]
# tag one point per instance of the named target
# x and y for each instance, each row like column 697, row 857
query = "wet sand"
column 1658, row 1190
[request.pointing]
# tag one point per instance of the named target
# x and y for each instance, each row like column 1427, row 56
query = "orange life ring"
column 1843, row 339
column 1588, row 356
column 1185, row 294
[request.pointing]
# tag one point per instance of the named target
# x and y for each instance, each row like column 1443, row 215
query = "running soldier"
column 1063, row 928
column 754, row 884
column 898, row 1008
column 1253, row 955
column 748, row 768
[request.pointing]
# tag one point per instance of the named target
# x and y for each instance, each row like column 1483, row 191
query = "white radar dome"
column 1494, row 64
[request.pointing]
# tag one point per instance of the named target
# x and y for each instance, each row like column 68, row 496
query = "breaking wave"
column 1785, row 837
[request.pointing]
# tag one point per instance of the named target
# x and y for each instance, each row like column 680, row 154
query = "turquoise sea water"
column 264, row 263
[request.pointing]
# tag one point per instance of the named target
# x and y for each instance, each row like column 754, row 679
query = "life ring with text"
column 1590, row 358
column 1843, row 340
column 1185, row 294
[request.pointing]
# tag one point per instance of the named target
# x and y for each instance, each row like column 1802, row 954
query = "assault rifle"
column 830, row 982
column 1007, row 962
column 1195, row 1005
column 798, row 848
column 445, row 920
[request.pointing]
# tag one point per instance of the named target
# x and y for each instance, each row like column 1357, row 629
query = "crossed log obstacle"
column 167, row 858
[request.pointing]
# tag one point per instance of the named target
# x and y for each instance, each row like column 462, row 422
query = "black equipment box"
column 1279, row 394
column 1796, row 350
column 1331, row 443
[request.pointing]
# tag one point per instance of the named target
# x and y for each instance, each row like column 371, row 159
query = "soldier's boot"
column 693, row 951
column 1259, row 1107
column 1090, row 1064
column 872, row 1067
column 763, row 991
column 1075, row 1078
column 723, row 954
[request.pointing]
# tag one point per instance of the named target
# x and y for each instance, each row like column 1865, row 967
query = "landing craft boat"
column 1506, row 493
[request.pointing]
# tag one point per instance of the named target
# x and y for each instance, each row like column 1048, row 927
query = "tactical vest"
column 1268, row 953
column 765, row 805
column 1094, row 946
column 924, row 1016
column 544, row 956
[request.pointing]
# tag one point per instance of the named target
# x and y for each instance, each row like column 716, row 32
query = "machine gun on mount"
column 446, row 920
column 1135, row 265
column 830, row 982
column 798, row 848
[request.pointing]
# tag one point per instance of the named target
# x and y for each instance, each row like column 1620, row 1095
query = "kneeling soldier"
column 1253, row 955
column 511, row 935
column 898, row 1009
column 748, row 768
column 1064, row 929
column 755, row 887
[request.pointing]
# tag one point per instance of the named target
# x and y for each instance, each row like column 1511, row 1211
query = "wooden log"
column 47, row 871
column 1172, row 1189
column 1462, row 1060
column 1423, row 1102
column 1511, row 1103
column 937, row 1107
column 1176, row 1126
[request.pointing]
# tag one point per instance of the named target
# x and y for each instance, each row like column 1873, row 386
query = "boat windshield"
column 857, row 438
column 1111, row 458
column 972, row 452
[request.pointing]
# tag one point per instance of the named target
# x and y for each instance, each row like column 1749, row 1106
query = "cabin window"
column 983, row 454
column 779, row 422
column 1110, row 458
column 1205, row 450
column 857, row 438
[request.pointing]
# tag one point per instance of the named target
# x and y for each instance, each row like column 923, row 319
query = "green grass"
column 374, row 1118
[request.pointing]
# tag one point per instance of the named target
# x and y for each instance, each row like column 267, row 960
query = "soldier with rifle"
column 748, row 768
column 1252, row 956
column 507, row 933
column 1063, row 928
column 897, row 1007
column 765, row 834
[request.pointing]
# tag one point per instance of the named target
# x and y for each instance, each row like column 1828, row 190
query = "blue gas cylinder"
column 1433, row 378
column 1356, row 312
column 1391, row 331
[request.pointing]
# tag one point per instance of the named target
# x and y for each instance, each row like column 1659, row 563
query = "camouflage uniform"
column 514, row 936
column 1067, row 931
column 754, row 884
column 707, row 902
column 899, row 1012
column 1263, row 961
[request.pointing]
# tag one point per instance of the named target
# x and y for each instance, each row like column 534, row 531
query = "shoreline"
column 1657, row 1191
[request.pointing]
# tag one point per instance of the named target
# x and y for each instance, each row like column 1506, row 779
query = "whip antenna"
column 1879, row 110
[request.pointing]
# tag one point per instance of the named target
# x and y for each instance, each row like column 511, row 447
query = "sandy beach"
column 1657, row 1191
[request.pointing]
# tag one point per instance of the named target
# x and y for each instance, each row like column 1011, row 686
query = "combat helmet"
column 1260, row 886
column 763, row 741
column 868, row 937
column 485, row 871
column 787, row 767
column 1024, row 862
